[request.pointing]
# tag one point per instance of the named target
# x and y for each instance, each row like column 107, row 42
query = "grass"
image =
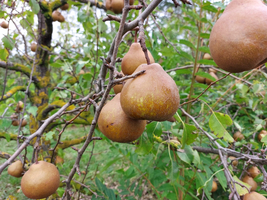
column 102, row 164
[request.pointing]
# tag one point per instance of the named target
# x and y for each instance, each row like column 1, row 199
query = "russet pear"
column 150, row 96
column 116, row 6
column 40, row 181
column 249, row 180
column 116, row 125
column 133, row 58
column 253, row 196
column 15, row 169
column 238, row 40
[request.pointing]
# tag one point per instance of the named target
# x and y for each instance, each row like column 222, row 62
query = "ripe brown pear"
column 65, row 7
column 16, row 169
column 249, row 180
column 33, row 47
column 116, row 6
column 15, row 122
column 200, row 79
column 150, row 96
column 238, row 41
column 117, row 88
column 234, row 162
column 208, row 81
column 4, row 24
column 133, row 58
column 254, row 171
column 19, row 107
column 116, row 125
column 254, row 196
column 207, row 56
column 238, row 136
column 262, row 134
column 40, row 181
column 214, row 186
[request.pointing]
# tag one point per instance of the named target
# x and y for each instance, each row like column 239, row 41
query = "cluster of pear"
column 4, row 25
column 14, row 117
column 40, row 181
column 152, row 95
column 238, row 40
column 116, row 6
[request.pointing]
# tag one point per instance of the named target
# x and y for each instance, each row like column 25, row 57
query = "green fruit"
column 40, row 181
column 151, row 96
column 116, row 125
column 238, row 40
column 133, row 58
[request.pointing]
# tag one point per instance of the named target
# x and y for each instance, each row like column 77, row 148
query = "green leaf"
column 183, row 156
column 8, row 42
column 108, row 164
column 188, row 136
column 7, row 136
column 241, row 190
column 3, row 54
column 32, row 110
column 204, row 49
column 205, row 36
column 187, row 43
column 100, row 185
column 205, row 75
column 35, row 6
column 206, row 62
column 218, row 123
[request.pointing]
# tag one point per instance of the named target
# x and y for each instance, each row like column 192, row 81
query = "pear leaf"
column 218, row 123
column 240, row 189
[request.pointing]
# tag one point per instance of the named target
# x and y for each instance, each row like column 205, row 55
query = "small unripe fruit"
column 207, row 56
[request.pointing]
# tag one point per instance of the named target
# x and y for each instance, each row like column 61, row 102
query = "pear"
column 234, row 162
column 238, row 40
column 15, row 122
column 65, row 7
column 117, row 88
column 253, row 196
column 254, row 171
column 208, row 81
column 19, row 107
column 116, row 6
column 4, row 25
column 200, row 79
column 207, row 56
column 262, row 134
column 40, row 181
column 238, row 136
column 116, row 125
column 133, row 58
column 33, row 47
column 214, row 186
column 249, row 180
column 150, row 96
column 55, row 15
column 15, row 169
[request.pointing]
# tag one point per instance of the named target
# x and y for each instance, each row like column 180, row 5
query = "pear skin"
column 116, row 125
column 133, row 58
column 238, row 40
column 150, row 96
